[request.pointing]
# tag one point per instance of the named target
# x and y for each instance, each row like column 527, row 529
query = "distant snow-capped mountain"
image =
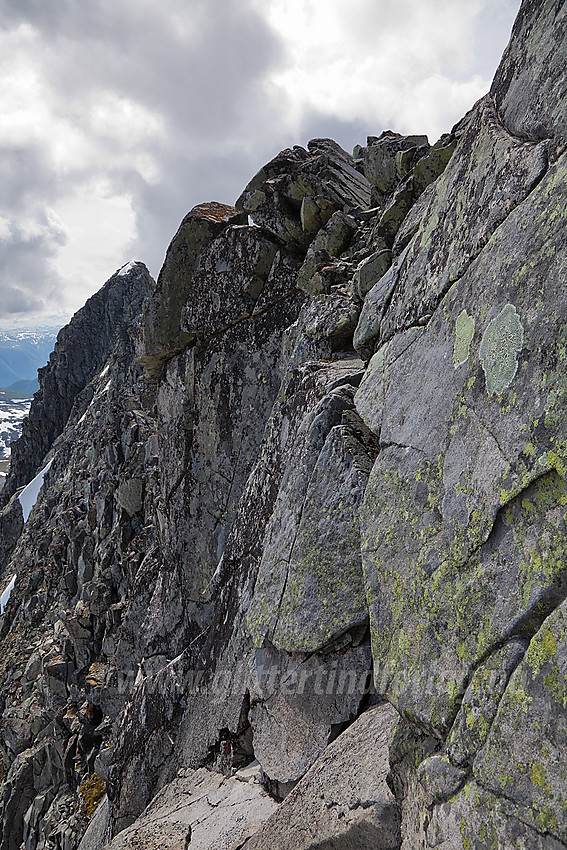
column 23, row 352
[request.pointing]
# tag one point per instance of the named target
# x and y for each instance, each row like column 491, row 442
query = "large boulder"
column 163, row 335
column 343, row 801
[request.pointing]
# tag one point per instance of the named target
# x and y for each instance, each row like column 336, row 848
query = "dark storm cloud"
column 28, row 280
column 198, row 68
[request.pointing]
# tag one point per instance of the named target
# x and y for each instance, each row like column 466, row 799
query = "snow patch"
column 105, row 371
column 4, row 599
column 127, row 268
column 28, row 496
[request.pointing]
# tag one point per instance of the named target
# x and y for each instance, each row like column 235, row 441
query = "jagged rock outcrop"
column 301, row 529
column 81, row 350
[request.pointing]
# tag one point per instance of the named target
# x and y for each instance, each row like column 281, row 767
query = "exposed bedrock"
column 282, row 549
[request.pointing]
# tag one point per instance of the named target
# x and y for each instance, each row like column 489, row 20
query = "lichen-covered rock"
column 489, row 174
column 295, row 194
column 523, row 759
column 376, row 302
column 371, row 270
column 163, row 334
column 309, row 587
column 527, row 88
column 430, row 166
column 450, row 492
column 478, row 820
column 331, row 241
column 481, row 700
column 338, row 477
column 386, row 160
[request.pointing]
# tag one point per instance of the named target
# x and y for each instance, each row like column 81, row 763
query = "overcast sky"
column 118, row 116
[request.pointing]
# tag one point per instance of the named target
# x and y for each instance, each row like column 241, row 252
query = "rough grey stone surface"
column 371, row 270
column 327, row 467
column 325, row 174
column 523, row 759
column 96, row 833
column 455, row 465
column 343, row 801
column 529, row 86
column 309, row 587
column 11, row 525
column 81, row 351
column 477, row 819
column 489, row 174
column 201, row 810
column 163, row 333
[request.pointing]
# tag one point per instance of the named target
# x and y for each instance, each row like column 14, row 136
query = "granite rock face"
column 282, row 548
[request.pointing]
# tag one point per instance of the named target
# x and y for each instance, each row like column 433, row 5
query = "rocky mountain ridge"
column 296, row 571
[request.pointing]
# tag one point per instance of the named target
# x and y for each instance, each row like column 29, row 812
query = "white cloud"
column 100, row 224
column 5, row 229
column 407, row 65
column 123, row 120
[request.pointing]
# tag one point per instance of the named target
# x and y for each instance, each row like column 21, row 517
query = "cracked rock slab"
column 478, row 820
column 489, row 174
column 524, row 759
column 456, row 560
column 310, row 581
column 296, row 702
column 200, row 811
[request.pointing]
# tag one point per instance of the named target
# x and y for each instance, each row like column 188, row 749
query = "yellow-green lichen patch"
column 501, row 343
column 92, row 791
column 538, row 776
column 464, row 332
column 542, row 648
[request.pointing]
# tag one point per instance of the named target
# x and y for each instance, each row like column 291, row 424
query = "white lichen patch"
column 464, row 332
column 501, row 343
